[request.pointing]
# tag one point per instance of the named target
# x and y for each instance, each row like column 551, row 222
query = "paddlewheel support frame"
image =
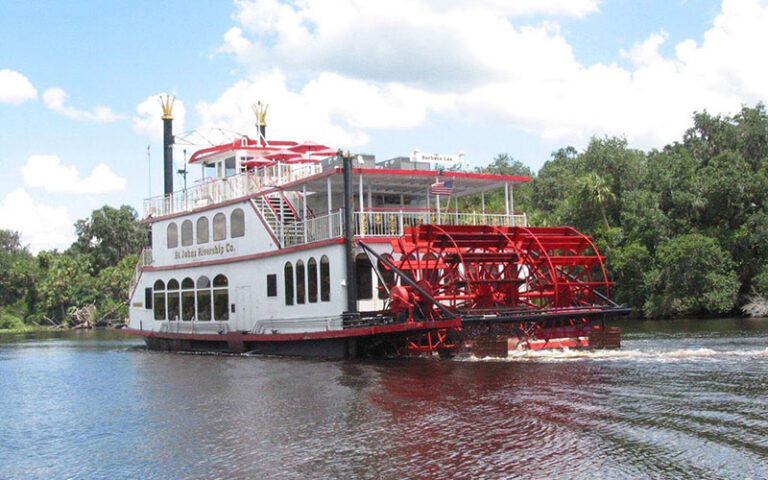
column 533, row 283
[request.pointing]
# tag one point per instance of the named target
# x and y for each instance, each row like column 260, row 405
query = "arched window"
column 202, row 230
column 300, row 288
column 159, row 300
column 203, row 299
column 388, row 276
column 219, row 227
column 288, row 271
column 325, row 279
column 172, row 235
column 237, row 223
column 186, row 233
column 187, row 299
column 363, row 274
column 312, row 280
column 174, row 300
column 220, row 298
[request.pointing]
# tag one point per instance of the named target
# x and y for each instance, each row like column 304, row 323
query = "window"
column 202, row 230
column 237, row 223
column 186, row 233
column 300, row 288
column 288, row 283
column 229, row 166
column 388, row 276
column 174, row 300
column 271, row 285
column 148, row 298
column 187, row 299
column 219, row 227
column 312, row 280
column 325, row 279
column 203, row 299
column 363, row 276
column 159, row 290
column 220, row 298
column 172, row 236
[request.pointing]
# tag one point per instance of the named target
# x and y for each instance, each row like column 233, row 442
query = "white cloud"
column 47, row 172
column 15, row 88
column 349, row 66
column 149, row 119
column 334, row 109
column 55, row 99
column 41, row 226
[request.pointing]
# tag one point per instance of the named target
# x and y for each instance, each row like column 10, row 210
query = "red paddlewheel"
column 492, row 270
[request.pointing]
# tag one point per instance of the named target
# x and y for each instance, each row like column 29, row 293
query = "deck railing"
column 145, row 259
column 392, row 223
column 216, row 190
column 314, row 229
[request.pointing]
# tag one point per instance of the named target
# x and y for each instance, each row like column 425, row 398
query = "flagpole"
column 149, row 172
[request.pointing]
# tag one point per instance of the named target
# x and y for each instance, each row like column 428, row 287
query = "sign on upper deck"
column 440, row 158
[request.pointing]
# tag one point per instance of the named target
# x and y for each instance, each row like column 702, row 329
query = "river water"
column 682, row 399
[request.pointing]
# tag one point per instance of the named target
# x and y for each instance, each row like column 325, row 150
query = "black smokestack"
column 167, row 104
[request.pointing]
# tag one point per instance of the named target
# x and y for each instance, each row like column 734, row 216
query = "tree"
column 691, row 274
column 109, row 235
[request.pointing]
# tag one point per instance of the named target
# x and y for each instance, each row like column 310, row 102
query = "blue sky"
column 79, row 82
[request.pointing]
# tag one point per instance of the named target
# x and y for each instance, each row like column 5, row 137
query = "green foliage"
column 95, row 270
column 109, row 235
column 691, row 274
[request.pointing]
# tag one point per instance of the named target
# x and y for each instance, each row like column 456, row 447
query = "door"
column 244, row 318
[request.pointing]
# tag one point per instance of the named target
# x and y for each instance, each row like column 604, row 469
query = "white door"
column 243, row 309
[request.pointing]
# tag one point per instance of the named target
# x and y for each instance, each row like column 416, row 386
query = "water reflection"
column 682, row 403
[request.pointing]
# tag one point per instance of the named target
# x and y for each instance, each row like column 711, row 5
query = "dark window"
column 159, row 300
column 363, row 272
column 148, row 298
column 271, row 285
column 388, row 276
column 202, row 230
column 288, row 283
column 237, row 223
column 186, row 233
column 220, row 298
column 203, row 299
column 219, row 227
column 174, row 300
column 300, row 285
column 325, row 279
column 173, row 235
column 187, row 299
column 312, row 280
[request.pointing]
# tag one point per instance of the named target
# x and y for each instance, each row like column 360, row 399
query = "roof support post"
column 349, row 233
column 506, row 198
column 362, row 207
column 304, row 210
column 330, row 206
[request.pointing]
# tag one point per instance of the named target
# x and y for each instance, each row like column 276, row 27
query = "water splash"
column 566, row 355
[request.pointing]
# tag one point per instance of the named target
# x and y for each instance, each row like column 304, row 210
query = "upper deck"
column 299, row 195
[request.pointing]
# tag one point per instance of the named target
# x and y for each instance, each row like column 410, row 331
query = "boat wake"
column 566, row 355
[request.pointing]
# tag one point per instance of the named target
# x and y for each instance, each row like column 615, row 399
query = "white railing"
column 145, row 259
column 216, row 190
column 313, row 229
column 393, row 223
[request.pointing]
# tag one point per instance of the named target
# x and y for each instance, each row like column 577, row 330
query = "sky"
column 80, row 81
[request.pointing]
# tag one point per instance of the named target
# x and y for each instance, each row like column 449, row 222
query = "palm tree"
column 596, row 191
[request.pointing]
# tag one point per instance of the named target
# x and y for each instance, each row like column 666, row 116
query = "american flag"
column 441, row 188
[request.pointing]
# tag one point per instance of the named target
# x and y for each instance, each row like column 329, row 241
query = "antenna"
column 183, row 171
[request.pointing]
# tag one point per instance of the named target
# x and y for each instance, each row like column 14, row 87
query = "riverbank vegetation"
column 84, row 285
column 684, row 228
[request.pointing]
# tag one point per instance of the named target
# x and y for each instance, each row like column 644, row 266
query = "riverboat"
column 292, row 248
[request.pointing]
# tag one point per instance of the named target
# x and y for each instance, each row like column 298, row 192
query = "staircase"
column 281, row 218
